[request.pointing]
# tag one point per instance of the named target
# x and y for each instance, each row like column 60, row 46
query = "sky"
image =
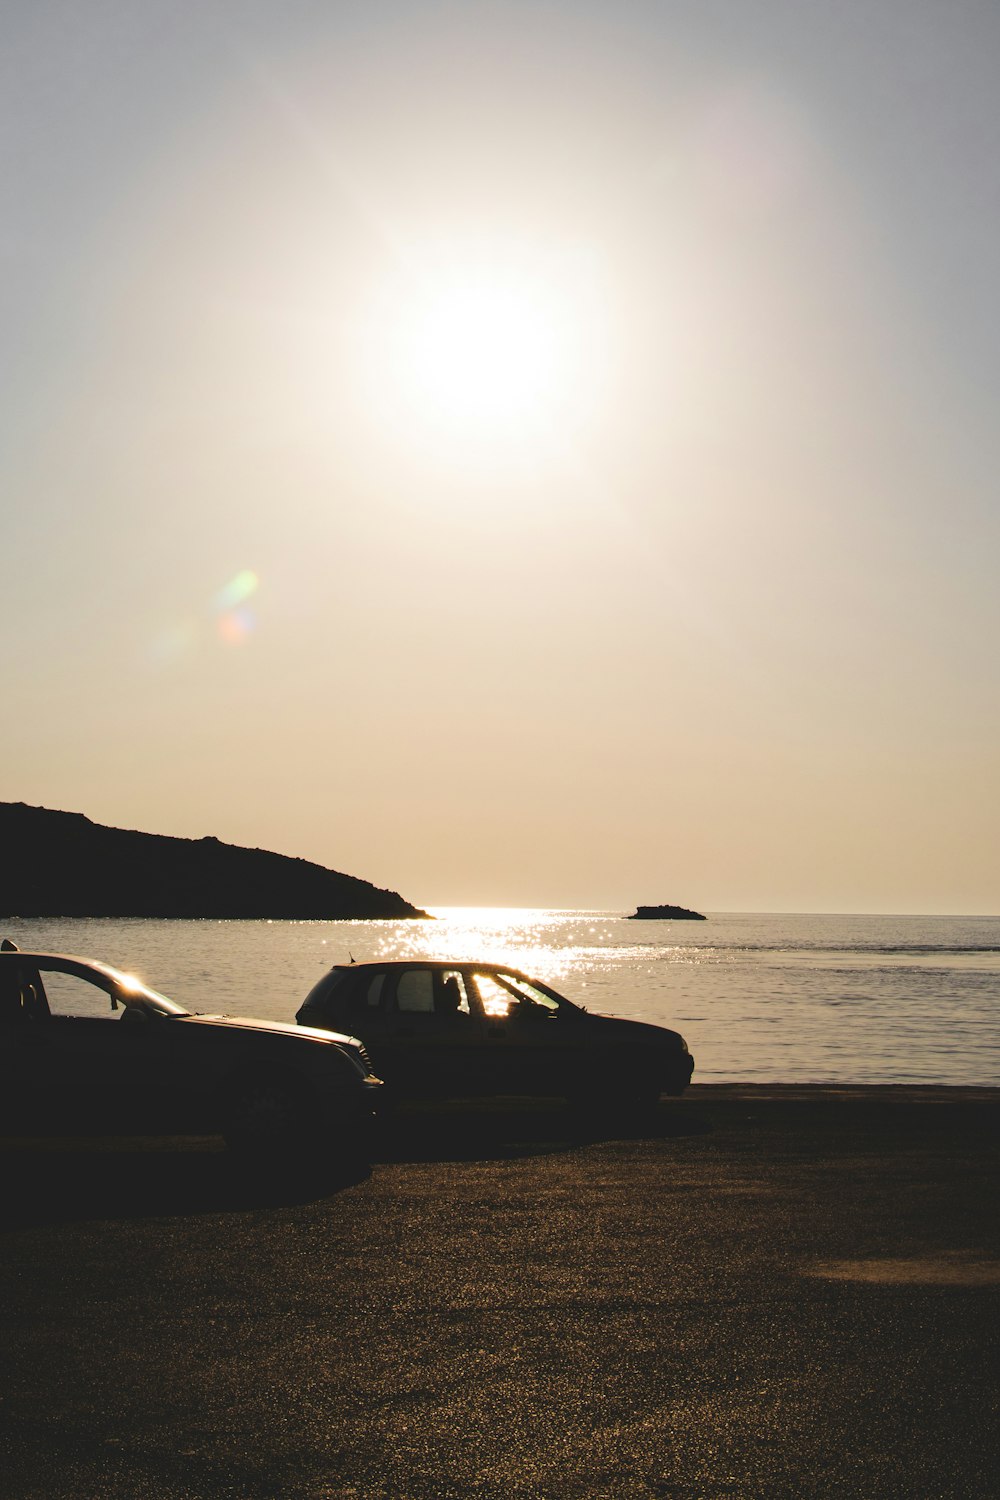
column 520, row 454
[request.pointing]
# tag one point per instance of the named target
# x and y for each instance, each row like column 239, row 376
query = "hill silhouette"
column 60, row 864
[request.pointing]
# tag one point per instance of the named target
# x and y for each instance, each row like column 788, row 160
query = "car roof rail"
column 8, row 947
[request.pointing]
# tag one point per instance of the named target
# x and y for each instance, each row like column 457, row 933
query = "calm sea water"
column 759, row 997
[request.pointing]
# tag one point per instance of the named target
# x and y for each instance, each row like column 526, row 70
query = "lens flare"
column 236, row 591
column 236, row 624
column 234, row 621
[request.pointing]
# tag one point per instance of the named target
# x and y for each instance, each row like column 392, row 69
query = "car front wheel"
column 628, row 1100
column 265, row 1115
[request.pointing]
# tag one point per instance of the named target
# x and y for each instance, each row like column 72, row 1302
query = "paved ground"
column 785, row 1292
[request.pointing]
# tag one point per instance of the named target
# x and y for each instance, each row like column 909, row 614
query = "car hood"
column 644, row 1033
column 281, row 1028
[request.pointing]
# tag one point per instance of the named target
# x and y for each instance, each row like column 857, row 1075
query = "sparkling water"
column 759, row 997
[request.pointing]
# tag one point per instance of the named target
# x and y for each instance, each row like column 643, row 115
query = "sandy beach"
column 784, row 1291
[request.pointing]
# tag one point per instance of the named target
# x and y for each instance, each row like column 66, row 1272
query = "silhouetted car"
column 86, row 1049
column 467, row 1029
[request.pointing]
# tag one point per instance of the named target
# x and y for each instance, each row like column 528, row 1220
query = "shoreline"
column 844, row 1091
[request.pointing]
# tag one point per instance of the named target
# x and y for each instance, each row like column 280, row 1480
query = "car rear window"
column 331, row 984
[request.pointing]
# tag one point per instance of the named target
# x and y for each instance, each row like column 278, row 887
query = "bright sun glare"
column 493, row 349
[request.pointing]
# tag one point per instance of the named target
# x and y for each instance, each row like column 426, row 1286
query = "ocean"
column 758, row 997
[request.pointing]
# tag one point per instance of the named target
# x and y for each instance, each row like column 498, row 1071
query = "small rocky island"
column 59, row 864
column 666, row 914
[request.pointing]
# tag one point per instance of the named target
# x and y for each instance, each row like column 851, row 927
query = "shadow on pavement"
column 61, row 1181
column 473, row 1131
column 54, row 1183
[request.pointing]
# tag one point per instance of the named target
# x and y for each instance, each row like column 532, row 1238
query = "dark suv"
column 464, row 1029
column 86, row 1049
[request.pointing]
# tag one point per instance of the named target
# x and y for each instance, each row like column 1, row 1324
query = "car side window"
column 371, row 997
column 22, row 997
column 452, row 996
column 505, row 995
column 415, row 992
column 529, row 994
column 497, row 1002
column 69, row 995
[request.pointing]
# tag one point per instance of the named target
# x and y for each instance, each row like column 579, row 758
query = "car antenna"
column 8, row 947
column 351, row 956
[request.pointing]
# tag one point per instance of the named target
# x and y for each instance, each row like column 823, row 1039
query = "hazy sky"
column 530, row 454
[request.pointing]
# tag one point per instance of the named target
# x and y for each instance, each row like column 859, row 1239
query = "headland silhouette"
column 60, row 864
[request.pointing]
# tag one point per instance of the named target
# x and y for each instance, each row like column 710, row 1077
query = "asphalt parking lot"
column 781, row 1292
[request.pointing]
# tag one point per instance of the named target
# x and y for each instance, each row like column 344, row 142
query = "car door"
column 433, row 1038
column 530, row 1048
column 27, row 1088
column 92, row 1068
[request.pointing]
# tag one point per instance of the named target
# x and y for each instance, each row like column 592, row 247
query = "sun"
column 487, row 350
column 493, row 349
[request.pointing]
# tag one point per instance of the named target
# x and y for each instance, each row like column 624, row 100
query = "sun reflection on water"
column 518, row 936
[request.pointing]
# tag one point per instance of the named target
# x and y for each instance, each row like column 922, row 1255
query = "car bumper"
column 678, row 1075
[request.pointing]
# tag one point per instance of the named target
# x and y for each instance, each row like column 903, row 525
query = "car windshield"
column 133, row 992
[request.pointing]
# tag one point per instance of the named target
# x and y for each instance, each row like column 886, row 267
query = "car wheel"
column 265, row 1115
column 644, row 1100
column 630, row 1102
